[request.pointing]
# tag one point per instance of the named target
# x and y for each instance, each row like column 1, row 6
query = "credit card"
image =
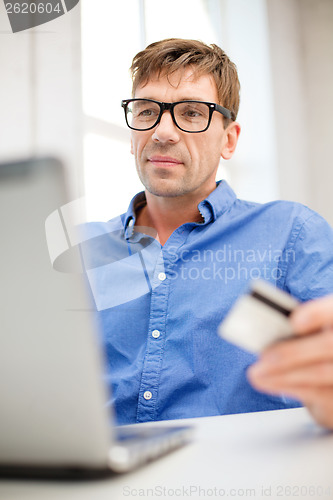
column 259, row 317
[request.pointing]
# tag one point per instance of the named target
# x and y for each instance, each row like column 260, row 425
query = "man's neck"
column 166, row 214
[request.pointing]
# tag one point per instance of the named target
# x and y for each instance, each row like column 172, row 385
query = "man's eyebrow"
column 178, row 100
column 192, row 99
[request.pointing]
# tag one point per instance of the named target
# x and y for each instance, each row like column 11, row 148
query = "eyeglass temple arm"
column 224, row 111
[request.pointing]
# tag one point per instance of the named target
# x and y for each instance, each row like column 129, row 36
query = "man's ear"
column 230, row 140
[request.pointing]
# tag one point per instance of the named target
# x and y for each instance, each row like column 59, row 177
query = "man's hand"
column 302, row 367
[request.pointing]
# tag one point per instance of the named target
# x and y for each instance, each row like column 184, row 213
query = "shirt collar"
column 218, row 202
column 138, row 201
column 211, row 208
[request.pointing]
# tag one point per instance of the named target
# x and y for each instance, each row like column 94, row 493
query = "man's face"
column 171, row 162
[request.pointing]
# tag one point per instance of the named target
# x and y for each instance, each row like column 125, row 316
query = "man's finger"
column 293, row 353
column 316, row 375
column 313, row 315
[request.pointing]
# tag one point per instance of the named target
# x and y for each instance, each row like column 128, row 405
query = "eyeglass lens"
column 189, row 116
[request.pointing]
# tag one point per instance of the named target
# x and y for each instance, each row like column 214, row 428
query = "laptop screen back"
column 52, row 409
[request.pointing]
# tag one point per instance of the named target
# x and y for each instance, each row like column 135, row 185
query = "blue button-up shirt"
column 159, row 307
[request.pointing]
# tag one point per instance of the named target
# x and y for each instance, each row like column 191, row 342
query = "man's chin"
column 166, row 191
column 165, row 188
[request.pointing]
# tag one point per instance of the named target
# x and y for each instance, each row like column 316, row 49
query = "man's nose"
column 166, row 130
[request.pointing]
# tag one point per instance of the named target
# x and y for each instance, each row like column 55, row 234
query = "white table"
column 276, row 454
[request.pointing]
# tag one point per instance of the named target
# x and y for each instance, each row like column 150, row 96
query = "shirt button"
column 162, row 276
column 155, row 334
column 147, row 395
column 131, row 222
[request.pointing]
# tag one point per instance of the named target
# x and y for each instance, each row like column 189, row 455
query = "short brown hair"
column 173, row 54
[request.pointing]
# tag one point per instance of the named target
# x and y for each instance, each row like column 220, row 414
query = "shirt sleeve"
column 309, row 259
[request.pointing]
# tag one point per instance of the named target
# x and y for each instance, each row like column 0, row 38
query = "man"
column 165, row 274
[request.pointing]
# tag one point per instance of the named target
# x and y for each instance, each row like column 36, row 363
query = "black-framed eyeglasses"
column 188, row 116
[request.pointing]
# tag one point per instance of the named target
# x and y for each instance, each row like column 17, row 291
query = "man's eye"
column 145, row 113
column 192, row 113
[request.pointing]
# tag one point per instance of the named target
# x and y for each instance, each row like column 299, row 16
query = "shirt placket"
column 148, row 392
column 151, row 373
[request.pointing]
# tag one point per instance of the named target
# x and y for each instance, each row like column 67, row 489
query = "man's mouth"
column 164, row 161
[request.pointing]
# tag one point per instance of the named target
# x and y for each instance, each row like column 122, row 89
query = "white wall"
column 252, row 171
column 301, row 44
column 40, row 92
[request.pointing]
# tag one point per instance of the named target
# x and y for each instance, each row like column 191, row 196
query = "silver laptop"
column 53, row 412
